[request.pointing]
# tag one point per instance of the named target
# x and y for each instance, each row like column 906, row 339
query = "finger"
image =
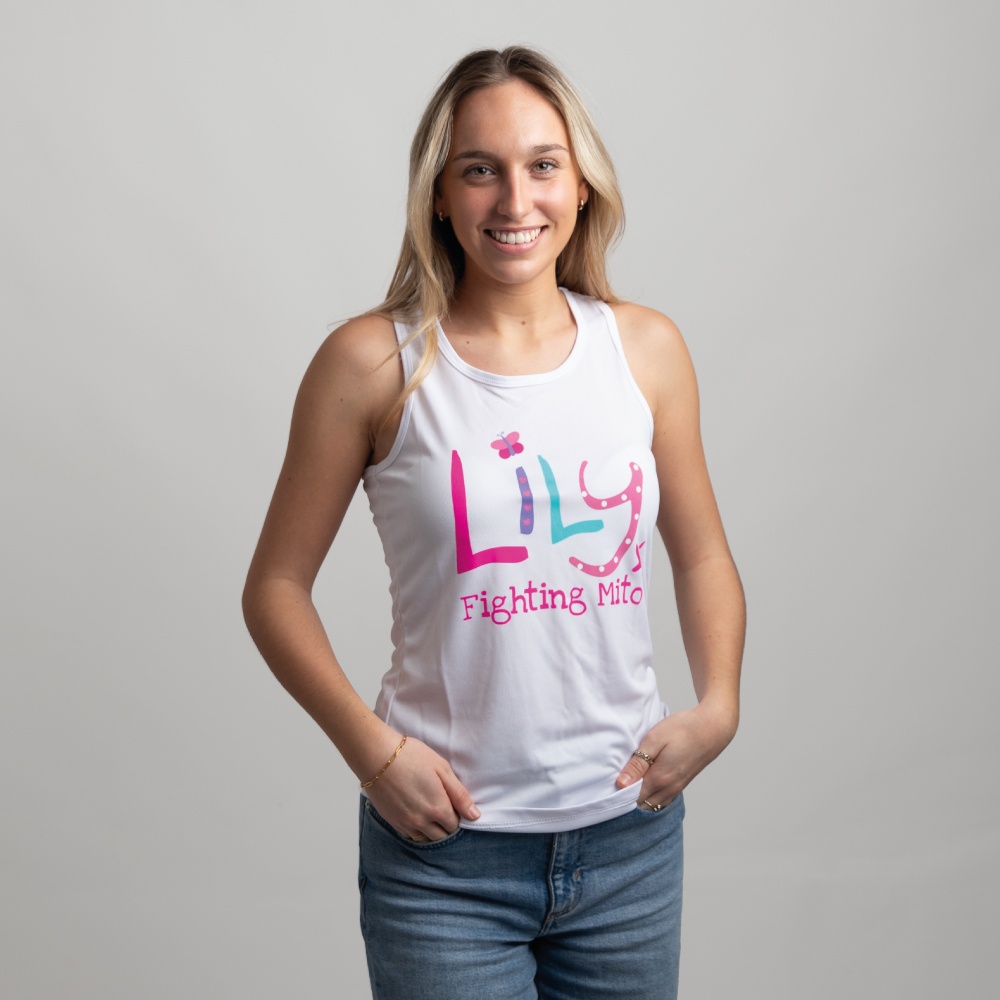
column 439, row 824
column 430, row 828
column 635, row 769
column 436, row 832
column 656, row 805
column 461, row 800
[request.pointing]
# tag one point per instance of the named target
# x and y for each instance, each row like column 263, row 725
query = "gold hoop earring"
column 441, row 216
column 582, row 203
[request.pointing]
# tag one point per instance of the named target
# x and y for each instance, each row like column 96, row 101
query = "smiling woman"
column 511, row 186
column 521, row 434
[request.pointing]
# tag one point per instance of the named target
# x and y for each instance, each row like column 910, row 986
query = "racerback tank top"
column 516, row 513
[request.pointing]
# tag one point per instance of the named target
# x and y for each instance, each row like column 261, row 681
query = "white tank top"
column 516, row 513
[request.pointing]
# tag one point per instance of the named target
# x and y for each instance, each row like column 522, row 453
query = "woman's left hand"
column 681, row 746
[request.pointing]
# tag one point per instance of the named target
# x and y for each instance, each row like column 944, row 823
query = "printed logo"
column 500, row 608
column 507, row 446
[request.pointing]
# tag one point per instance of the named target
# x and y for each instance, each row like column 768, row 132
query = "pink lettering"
column 466, row 558
column 632, row 495
column 618, row 592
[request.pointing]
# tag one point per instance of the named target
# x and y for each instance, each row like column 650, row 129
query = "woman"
column 519, row 432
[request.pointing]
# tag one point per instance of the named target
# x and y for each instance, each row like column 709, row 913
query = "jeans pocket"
column 668, row 807
column 416, row 845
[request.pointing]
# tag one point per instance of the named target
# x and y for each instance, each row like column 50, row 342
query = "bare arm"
column 710, row 600
column 340, row 407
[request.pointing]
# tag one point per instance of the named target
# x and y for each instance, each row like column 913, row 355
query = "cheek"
column 469, row 207
column 568, row 196
column 563, row 206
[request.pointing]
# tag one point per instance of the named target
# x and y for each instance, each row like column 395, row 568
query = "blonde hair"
column 431, row 261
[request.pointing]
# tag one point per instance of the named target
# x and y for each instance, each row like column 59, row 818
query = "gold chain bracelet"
column 385, row 766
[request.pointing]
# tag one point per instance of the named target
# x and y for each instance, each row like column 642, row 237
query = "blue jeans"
column 586, row 914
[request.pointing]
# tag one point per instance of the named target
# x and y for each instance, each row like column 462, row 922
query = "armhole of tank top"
column 609, row 318
column 406, row 356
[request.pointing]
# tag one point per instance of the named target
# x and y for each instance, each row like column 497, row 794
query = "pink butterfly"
column 508, row 444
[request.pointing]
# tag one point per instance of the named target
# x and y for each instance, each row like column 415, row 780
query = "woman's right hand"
column 419, row 794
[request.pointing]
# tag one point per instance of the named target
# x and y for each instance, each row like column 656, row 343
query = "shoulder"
column 355, row 377
column 356, row 357
column 357, row 348
column 644, row 330
column 656, row 353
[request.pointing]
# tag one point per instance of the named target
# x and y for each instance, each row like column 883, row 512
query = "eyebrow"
column 482, row 154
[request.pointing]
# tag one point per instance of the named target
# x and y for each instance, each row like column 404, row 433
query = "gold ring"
column 419, row 838
column 652, row 808
column 645, row 756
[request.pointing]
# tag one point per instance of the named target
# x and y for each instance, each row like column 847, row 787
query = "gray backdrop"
column 192, row 192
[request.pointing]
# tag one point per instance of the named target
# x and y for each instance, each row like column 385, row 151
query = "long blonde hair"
column 431, row 262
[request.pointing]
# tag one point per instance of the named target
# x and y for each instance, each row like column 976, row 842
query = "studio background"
column 192, row 193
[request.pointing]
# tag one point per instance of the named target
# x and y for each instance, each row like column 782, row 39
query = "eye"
column 546, row 166
column 478, row 170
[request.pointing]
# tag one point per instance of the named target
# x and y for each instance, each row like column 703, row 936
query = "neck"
column 511, row 330
column 507, row 309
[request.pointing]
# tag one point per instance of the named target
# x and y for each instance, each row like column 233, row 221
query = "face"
column 510, row 187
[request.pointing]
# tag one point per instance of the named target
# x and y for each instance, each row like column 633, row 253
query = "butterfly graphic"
column 508, row 445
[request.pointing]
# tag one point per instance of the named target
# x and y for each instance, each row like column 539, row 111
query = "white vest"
column 517, row 513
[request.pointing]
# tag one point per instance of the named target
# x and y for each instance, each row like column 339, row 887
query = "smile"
column 520, row 236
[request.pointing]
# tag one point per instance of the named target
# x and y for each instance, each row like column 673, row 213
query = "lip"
column 514, row 248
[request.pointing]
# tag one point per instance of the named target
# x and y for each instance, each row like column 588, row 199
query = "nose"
column 514, row 198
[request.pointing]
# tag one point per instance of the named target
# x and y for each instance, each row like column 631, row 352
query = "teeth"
column 524, row 236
